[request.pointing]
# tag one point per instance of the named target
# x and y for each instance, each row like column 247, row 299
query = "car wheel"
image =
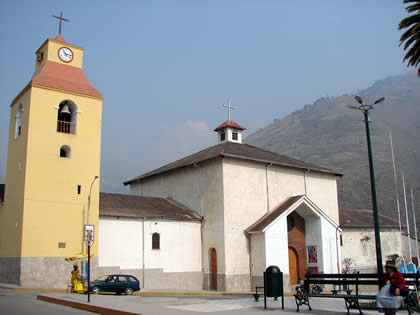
column 129, row 291
column 95, row 290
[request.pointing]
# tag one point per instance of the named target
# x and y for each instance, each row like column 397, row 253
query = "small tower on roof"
column 229, row 130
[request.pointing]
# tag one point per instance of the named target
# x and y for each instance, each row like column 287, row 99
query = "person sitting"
column 395, row 279
column 392, row 291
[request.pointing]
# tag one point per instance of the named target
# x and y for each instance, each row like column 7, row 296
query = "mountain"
column 332, row 135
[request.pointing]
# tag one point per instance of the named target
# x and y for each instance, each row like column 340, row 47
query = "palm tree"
column 411, row 37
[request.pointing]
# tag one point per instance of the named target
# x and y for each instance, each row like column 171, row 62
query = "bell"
column 65, row 110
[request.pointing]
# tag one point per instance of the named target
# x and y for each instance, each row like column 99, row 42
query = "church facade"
column 211, row 220
column 259, row 208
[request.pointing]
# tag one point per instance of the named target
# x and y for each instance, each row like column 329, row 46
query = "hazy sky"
column 166, row 67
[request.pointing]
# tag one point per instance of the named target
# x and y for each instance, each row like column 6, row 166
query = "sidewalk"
column 160, row 303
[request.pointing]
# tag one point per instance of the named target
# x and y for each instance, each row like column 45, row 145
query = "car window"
column 102, row 278
column 123, row 279
column 131, row 279
column 112, row 278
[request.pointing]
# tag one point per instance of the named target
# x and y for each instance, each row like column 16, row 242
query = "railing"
column 65, row 127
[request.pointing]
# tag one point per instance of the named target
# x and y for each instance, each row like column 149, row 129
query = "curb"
column 84, row 306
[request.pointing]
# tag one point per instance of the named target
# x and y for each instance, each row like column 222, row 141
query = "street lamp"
column 88, row 241
column 365, row 108
column 90, row 192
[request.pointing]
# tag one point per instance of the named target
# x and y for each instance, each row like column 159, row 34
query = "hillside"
column 329, row 134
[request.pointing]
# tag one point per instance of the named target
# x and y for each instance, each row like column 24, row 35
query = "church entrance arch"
column 213, row 268
column 293, row 265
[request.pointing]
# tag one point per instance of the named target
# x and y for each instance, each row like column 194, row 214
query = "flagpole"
column 408, row 224
column 415, row 225
column 396, row 190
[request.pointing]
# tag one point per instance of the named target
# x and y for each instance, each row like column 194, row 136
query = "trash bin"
column 273, row 279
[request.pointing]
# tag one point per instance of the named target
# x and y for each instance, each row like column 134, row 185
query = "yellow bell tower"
column 52, row 162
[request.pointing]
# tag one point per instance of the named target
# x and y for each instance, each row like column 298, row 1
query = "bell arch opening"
column 67, row 117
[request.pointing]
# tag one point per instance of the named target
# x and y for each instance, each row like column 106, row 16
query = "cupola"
column 229, row 131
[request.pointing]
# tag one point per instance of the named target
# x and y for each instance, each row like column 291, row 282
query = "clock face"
column 65, row 54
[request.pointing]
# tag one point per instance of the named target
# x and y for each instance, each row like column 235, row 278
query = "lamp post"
column 88, row 240
column 90, row 192
column 365, row 108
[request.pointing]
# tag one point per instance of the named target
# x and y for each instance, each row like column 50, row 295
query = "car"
column 115, row 283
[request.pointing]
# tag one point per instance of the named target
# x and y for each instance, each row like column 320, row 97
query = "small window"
column 155, row 241
column 18, row 130
column 222, row 136
column 79, row 189
column 65, row 151
column 235, row 136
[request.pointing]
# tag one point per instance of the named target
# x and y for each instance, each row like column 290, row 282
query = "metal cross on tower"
column 229, row 107
column 61, row 19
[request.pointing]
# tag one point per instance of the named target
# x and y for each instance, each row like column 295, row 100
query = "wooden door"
column 213, row 259
column 293, row 266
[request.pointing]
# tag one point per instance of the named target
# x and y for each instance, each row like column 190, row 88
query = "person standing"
column 74, row 274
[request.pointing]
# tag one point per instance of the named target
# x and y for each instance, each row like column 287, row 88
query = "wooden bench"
column 353, row 300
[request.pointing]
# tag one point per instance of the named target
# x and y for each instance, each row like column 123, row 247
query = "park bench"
column 353, row 298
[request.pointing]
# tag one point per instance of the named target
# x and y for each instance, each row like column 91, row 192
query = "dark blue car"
column 115, row 283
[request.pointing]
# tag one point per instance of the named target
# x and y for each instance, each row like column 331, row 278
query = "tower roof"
column 61, row 77
column 230, row 123
column 60, row 38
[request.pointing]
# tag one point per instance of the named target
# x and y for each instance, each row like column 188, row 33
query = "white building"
column 247, row 209
column 358, row 239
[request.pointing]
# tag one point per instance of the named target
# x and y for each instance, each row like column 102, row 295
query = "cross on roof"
column 229, row 107
column 61, row 19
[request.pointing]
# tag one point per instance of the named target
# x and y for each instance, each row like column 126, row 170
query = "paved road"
column 24, row 302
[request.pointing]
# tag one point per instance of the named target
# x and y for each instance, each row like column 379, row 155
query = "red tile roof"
column 60, row 38
column 62, row 77
column 230, row 123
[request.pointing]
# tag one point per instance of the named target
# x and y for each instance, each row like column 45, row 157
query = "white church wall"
column 245, row 202
column 120, row 244
column 283, row 183
column 123, row 237
column 258, row 262
column 322, row 190
column 277, row 246
column 176, row 185
column 200, row 188
column 328, row 258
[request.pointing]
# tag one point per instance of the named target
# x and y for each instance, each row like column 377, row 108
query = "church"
column 211, row 220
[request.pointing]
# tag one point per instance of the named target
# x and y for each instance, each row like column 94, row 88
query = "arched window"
column 18, row 130
column 65, row 151
column 155, row 241
column 67, row 117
